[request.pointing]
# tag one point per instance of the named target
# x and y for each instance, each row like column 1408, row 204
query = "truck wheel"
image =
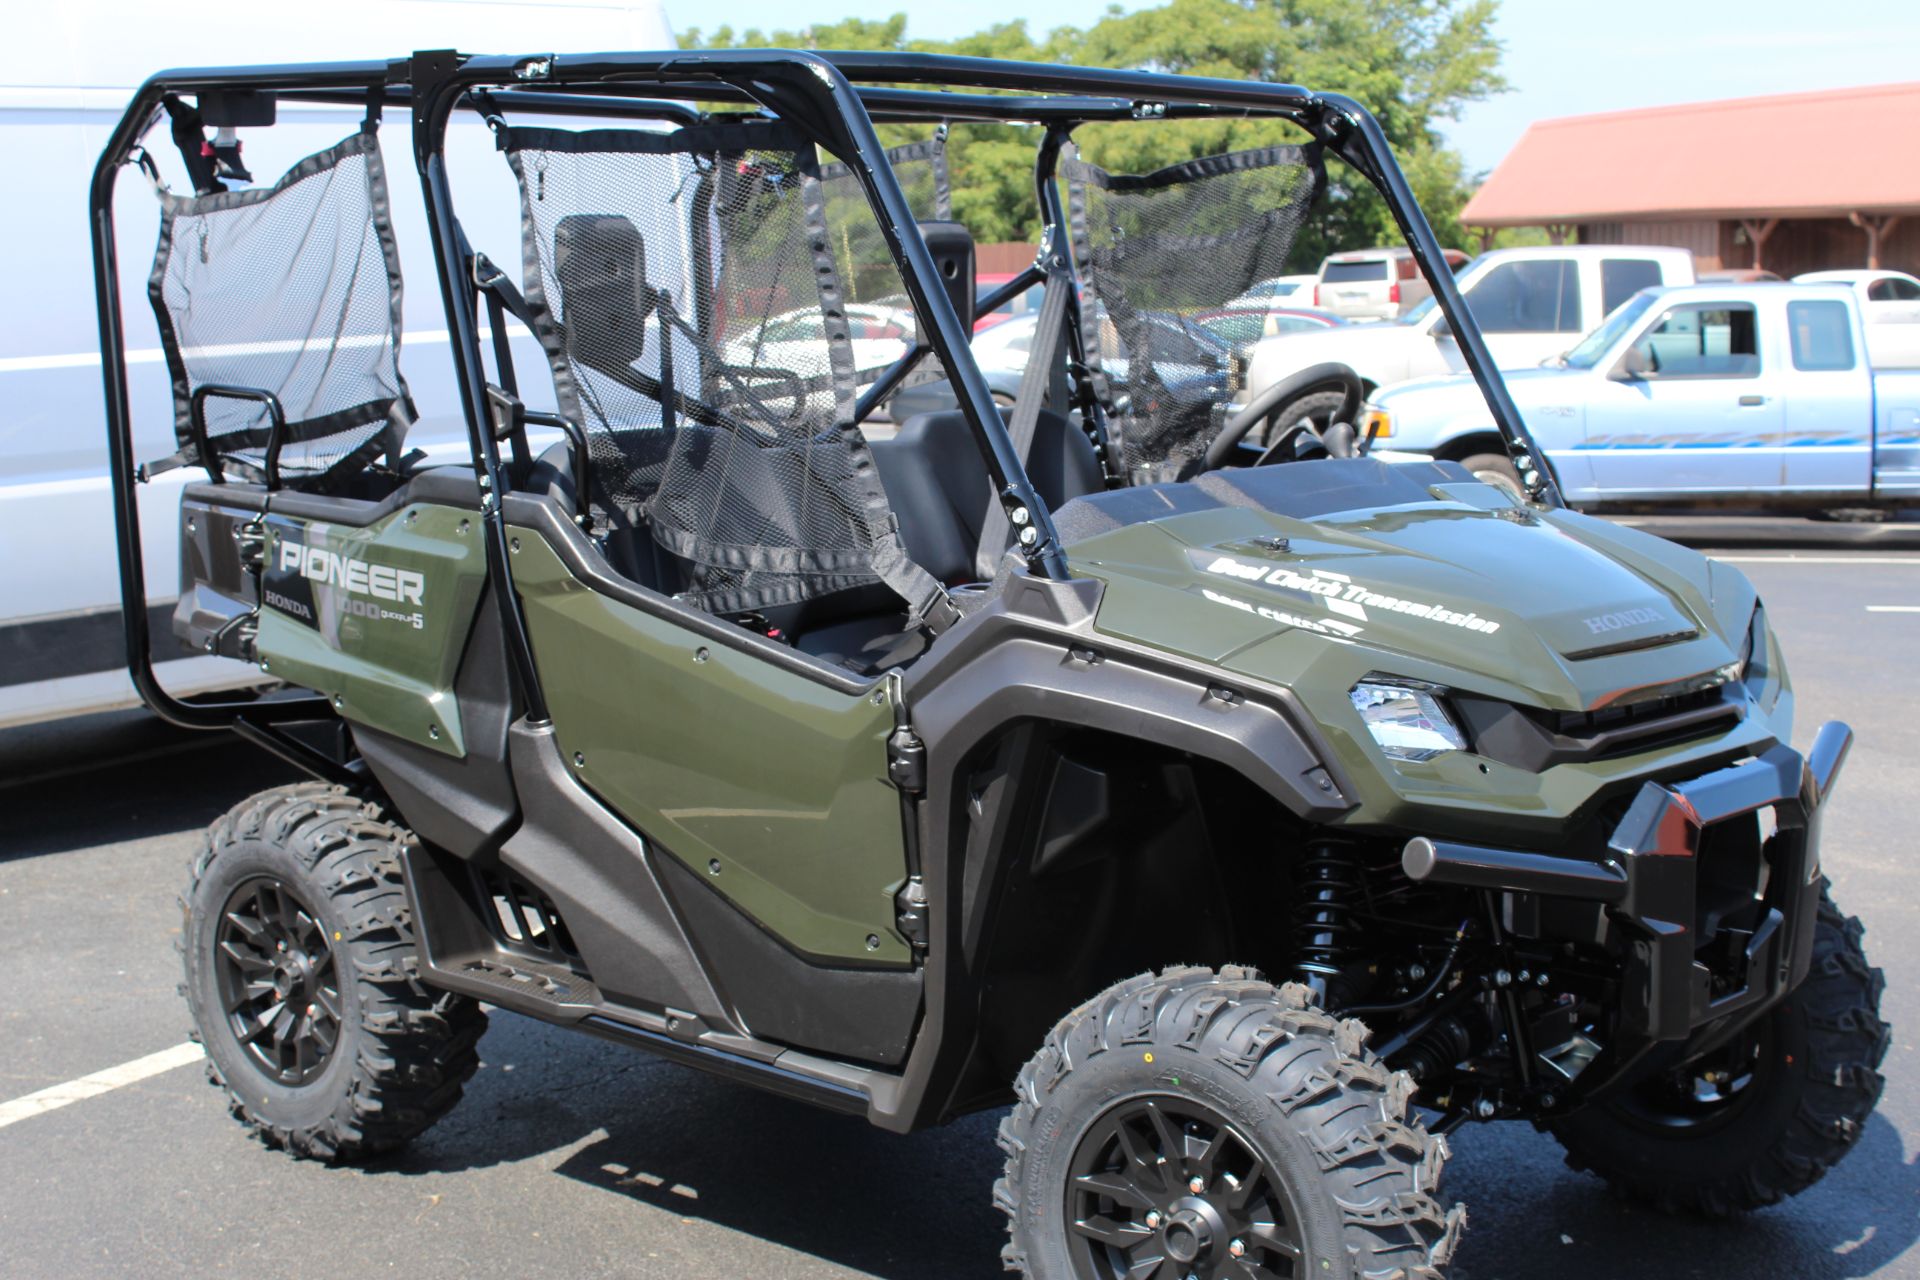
column 1321, row 407
column 1497, row 470
column 1766, row 1116
column 1208, row 1124
column 302, row 979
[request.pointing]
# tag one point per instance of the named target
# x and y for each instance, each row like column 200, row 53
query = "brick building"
column 1792, row 182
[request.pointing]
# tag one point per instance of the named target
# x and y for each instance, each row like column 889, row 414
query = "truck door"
column 1698, row 416
column 1829, row 402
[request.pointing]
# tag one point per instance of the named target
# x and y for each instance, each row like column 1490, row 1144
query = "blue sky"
column 1560, row 60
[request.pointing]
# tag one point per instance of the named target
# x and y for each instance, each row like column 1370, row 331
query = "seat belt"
column 1029, row 401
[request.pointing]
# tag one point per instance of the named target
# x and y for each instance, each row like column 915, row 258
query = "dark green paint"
column 1537, row 575
column 385, row 673
column 727, row 759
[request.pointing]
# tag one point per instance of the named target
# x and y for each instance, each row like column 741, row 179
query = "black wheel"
column 1497, row 470
column 302, row 979
column 1213, row 1126
column 1758, row 1119
column 1320, row 408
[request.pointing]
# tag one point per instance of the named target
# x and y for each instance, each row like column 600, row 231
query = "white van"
column 61, row 633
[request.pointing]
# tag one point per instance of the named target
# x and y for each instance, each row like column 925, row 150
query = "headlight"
column 1374, row 424
column 1407, row 721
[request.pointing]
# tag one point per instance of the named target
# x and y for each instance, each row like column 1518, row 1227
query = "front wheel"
column 303, row 982
column 1758, row 1119
column 1211, row 1125
column 1497, row 470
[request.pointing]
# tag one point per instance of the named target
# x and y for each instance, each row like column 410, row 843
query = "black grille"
column 1648, row 715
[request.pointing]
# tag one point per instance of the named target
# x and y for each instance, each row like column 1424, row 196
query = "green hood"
column 1551, row 608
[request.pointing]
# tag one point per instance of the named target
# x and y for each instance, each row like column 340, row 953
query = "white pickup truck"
column 1531, row 305
column 1756, row 393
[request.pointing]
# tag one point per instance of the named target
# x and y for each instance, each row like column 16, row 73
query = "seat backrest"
column 938, row 483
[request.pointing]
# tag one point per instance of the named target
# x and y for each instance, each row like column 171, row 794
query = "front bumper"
column 1645, row 895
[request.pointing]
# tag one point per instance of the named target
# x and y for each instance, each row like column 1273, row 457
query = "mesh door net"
column 1153, row 250
column 880, row 317
column 294, row 290
column 690, row 302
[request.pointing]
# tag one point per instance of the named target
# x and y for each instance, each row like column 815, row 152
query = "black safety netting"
column 691, row 302
column 292, row 290
column 1156, row 250
column 880, row 316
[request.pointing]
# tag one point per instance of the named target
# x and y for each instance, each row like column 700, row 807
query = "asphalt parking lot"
column 571, row 1157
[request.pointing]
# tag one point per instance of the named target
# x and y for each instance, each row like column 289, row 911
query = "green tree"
column 1414, row 63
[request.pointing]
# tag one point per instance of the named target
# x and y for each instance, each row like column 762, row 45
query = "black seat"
column 938, row 485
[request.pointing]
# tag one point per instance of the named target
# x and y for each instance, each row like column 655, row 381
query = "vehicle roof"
column 1586, row 251
column 1363, row 255
column 1752, row 291
column 1861, row 276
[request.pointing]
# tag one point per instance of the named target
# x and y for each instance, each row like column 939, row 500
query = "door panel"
column 1829, row 405
column 726, row 761
column 1704, row 420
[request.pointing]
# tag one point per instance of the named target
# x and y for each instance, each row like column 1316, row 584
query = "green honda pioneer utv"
column 1249, row 813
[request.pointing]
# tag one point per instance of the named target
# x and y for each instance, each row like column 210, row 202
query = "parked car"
column 1532, row 304
column 1242, row 326
column 1194, row 367
column 1890, row 307
column 1701, row 393
column 1026, row 303
column 1374, row 284
column 1278, row 289
column 1739, row 275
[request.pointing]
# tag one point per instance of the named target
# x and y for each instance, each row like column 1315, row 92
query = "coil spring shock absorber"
column 1330, row 893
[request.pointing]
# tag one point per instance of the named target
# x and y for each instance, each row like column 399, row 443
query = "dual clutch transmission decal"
column 1337, row 594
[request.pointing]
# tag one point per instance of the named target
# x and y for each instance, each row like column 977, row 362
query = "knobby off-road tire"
column 1237, row 1105
column 363, row 1057
column 1815, row 1078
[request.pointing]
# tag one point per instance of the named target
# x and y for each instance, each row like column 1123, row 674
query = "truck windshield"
column 1596, row 344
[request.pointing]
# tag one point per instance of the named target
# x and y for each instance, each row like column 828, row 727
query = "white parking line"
column 53, row 1097
column 1913, row 560
column 1893, row 608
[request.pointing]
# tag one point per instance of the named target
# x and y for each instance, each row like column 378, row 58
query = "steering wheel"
column 1268, row 402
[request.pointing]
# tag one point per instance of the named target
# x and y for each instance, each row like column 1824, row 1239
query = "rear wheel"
column 1761, row 1118
column 302, row 979
column 1211, row 1125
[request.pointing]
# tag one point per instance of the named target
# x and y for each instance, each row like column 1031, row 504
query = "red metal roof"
column 1795, row 155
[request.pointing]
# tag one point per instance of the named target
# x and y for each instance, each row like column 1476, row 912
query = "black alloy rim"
column 1705, row 1094
column 1164, row 1188
column 279, row 985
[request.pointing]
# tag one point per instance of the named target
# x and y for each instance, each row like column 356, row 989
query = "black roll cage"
column 837, row 99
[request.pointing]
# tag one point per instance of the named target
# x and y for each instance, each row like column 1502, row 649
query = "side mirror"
column 951, row 246
column 1441, row 329
column 1634, row 366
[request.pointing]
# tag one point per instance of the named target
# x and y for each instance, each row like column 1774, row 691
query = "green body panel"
column 1469, row 592
column 726, row 759
column 377, row 617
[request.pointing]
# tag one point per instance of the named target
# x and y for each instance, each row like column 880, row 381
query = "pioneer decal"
column 1338, row 593
column 382, row 582
column 322, row 587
